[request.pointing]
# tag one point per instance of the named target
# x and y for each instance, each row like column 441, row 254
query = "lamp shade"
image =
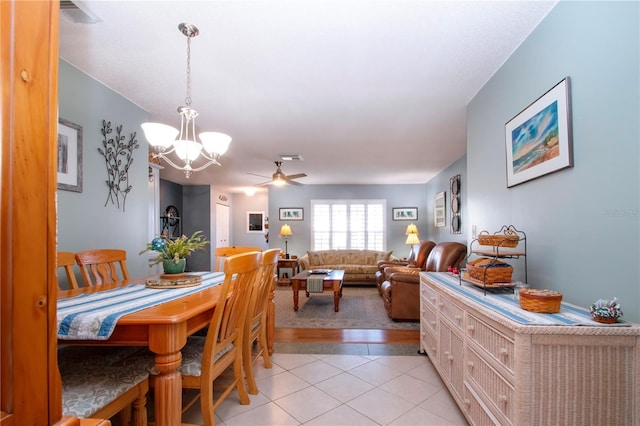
column 412, row 239
column 159, row 134
column 214, row 142
column 285, row 230
column 411, row 229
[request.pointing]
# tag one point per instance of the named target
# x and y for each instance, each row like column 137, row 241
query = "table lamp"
column 285, row 231
column 411, row 240
column 412, row 230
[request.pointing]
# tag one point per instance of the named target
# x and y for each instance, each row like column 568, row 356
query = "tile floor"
column 342, row 384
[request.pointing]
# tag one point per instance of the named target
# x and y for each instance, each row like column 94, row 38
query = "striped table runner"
column 315, row 283
column 94, row 316
column 507, row 305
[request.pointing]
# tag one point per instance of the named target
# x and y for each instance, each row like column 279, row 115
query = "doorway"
column 222, row 225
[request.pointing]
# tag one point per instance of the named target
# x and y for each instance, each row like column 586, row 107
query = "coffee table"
column 332, row 280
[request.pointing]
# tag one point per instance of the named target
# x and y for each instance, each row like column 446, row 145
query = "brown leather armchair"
column 401, row 290
column 419, row 263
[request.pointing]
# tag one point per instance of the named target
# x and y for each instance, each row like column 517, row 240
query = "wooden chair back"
column 223, row 343
column 100, row 266
column 67, row 260
column 223, row 252
column 255, row 325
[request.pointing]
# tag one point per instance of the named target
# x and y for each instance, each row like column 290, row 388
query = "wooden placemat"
column 185, row 281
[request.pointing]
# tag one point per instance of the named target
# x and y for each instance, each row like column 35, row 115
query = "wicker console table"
column 505, row 373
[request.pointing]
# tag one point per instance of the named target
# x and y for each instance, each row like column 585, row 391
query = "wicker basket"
column 489, row 270
column 508, row 239
column 541, row 301
column 605, row 320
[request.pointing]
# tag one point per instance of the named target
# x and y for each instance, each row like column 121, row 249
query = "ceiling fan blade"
column 297, row 176
column 255, row 174
column 293, row 182
column 269, row 182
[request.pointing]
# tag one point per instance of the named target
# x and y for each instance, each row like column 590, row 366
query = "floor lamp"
column 285, row 231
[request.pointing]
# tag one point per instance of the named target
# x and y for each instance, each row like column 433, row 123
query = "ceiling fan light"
column 278, row 180
column 187, row 150
column 159, row 135
column 215, row 142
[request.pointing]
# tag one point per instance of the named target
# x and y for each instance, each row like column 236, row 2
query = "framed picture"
column 255, row 222
column 439, row 210
column 69, row 156
column 404, row 213
column 291, row 213
column 538, row 140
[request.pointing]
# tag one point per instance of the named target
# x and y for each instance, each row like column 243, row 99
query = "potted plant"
column 173, row 252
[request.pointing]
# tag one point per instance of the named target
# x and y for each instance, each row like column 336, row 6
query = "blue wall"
column 582, row 223
column 84, row 221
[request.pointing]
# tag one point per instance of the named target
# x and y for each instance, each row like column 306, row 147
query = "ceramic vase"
column 170, row 267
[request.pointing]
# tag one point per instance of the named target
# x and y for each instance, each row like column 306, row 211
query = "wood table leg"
column 337, row 293
column 296, row 288
column 166, row 341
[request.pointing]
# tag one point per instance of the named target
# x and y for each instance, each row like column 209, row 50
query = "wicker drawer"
column 452, row 312
column 499, row 346
column 428, row 295
column 499, row 392
column 429, row 318
column 476, row 413
column 429, row 342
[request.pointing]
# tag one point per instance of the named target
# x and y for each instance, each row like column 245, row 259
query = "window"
column 348, row 224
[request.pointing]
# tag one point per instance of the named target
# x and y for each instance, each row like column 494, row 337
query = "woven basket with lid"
column 541, row 301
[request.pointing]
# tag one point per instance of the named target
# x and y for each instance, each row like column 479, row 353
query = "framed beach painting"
column 538, row 140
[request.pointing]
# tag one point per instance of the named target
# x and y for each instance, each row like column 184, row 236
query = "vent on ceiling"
column 78, row 12
column 290, row 157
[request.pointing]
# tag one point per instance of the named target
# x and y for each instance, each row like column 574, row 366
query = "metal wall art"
column 454, row 183
column 118, row 157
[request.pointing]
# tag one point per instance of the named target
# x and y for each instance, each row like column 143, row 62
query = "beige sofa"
column 359, row 266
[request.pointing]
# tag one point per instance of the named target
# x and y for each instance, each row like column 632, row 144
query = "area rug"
column 360, row 307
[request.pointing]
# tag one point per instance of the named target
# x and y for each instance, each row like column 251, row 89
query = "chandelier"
column 165, row 139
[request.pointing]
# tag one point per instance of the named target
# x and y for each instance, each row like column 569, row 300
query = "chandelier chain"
column 187, row 100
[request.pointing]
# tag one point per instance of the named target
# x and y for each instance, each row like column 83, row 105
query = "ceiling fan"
column 279, row 178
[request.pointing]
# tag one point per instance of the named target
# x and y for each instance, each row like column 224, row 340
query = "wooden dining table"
column 164, row 329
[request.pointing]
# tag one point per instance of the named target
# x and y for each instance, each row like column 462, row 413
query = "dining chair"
column 205, row 358
column 255, row 326
column 223, row 252
column 92, row 387
column 67, row 260
column 99, row 266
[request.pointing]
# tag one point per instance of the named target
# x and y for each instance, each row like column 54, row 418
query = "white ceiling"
column 365, row 91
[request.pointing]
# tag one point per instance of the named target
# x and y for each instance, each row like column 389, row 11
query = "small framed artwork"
column 404, row 213
column 439, row 210
column 538, row 140
column 69, row 156
column 291, row 213
column 255, row 222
